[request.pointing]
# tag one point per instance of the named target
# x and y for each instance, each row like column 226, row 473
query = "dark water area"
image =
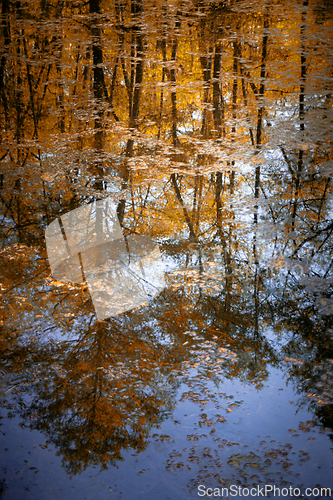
column 166, row 250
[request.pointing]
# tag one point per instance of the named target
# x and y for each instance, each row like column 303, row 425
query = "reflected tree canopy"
column 208, row 125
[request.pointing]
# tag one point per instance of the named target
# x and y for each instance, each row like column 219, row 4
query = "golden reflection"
column 207, row 127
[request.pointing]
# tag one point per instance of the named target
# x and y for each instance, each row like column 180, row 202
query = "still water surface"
column 208, row 127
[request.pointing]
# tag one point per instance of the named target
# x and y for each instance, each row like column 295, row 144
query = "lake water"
column 166, row 249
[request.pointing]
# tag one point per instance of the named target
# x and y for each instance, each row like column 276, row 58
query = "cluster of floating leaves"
column 208, row 359
column 215, row 466
column 210, row 280
column 324, row 387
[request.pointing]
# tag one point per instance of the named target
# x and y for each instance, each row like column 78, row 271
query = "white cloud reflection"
column 121, row 272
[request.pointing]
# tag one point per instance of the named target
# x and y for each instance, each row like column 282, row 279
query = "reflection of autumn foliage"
column 234, row 349
column 209, row 124
column 100, row 392
column 100, row 395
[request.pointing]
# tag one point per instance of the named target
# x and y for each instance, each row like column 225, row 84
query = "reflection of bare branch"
column 269, row 206
column 315, row 235
column 247, row 75
column 328, row 269
column 254, row 88
column 145, row 201
column 4, row 156
column 323, row 197
column 113, row 81
column 126, row 79
column 288, row 163
column 180, row 199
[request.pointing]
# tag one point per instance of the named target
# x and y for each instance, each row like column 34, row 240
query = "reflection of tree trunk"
column 218, row 110
column 137, row 64
column 125, row 172
column 206, row 64
column 85, row 84
column 237, row 53
column 218, row 193
column 97, row 53
column 18, row 105
column 134, row 112
column 138, row 81
column 163, row 47
column 256, row 296
column 260, row 111
column 76, row 81
column 218, row 115
column 246, row 103
column 133, row 84
column 173, row 91
column 197, row 201
column 262, row 83
column 6, row 39
column 134, row 92
column 61, row 92
column 14, row 205
column 301, row 115
column 257, row 172
column 226, row 254
column 98, row 88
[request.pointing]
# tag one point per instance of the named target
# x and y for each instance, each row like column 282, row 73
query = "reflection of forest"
column 209, row 125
